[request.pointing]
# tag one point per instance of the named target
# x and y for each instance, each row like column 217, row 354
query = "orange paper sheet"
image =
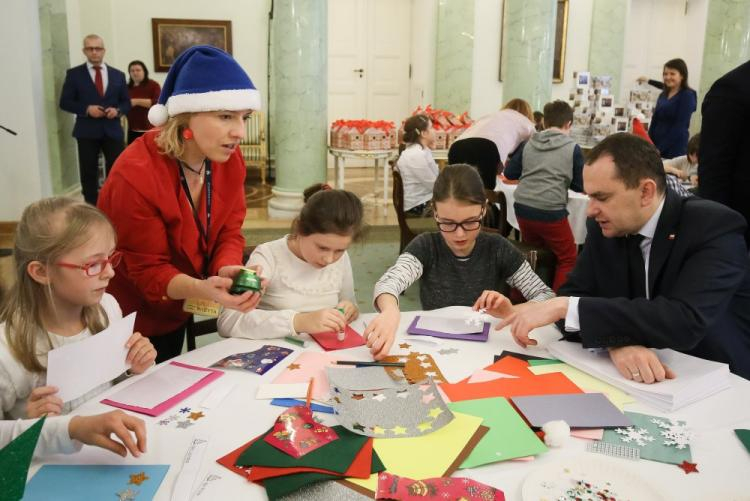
column 546, row 384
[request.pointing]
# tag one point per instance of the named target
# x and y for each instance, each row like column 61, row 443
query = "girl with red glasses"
column 65, row 257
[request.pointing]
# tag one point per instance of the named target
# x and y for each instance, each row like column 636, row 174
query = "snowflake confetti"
column 640, row 435
column 674, row 432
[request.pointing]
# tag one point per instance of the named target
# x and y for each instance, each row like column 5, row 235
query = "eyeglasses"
column 94, row 49
column 470, row 225
column 95, row 268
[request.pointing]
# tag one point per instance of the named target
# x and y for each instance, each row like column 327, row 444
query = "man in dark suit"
column 724, row 165
column 98, row 95
column 657, row 271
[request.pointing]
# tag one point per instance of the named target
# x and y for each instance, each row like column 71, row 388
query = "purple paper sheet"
column 478, row 336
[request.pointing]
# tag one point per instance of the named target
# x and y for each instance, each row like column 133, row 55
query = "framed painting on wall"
column 172, row 36
column 561, row 31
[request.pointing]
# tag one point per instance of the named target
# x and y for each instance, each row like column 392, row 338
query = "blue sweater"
column 670, row 123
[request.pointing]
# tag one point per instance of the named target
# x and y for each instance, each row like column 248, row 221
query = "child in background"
column 686, row 166
column 539, row 121
column 546, row 166
column 309, row 273
column 417, row 167
column 457, row 265
column 64, row 255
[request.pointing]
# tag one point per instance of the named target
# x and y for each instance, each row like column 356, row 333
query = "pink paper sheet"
column 211, row 375
column 311, row 364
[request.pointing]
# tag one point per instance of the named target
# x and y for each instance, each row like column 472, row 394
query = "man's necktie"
column 98, row 81
column 636, row 266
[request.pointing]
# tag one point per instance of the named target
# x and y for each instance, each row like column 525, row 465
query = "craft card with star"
column 63, row 482
column 448, row 328
column 419, row 367
column 309, row 364
column 657, row 438
column 404, row 411
column 296, row 433
column 259, row 361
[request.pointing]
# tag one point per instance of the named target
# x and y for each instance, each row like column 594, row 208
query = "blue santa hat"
column 204, row 78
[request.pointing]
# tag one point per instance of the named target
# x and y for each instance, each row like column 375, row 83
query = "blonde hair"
column 48, row 229
column 169, row 140
column 521, row 106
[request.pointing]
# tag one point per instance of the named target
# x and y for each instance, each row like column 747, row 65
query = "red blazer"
column 157, row 234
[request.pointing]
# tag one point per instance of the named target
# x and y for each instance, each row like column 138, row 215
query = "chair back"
column 398, row 204
column 253, row 146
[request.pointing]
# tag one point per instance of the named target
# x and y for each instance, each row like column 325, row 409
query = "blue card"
column 259, row 361
column 63, row 482
column 291, row 402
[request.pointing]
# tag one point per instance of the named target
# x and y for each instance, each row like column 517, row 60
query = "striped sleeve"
column 529, row 283
column 398, row 277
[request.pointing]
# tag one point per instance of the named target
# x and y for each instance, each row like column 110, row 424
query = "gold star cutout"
column 398, row 430
column 293, row 366
column 196, row 415
column 435, row 412
column 138, row 478
column 405, row 346
column 377, row 430
column 424, row 426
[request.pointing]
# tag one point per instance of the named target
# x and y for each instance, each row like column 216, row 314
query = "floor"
column 370, row 257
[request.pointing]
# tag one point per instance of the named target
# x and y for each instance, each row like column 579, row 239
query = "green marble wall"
column 528, row 50
column 454, row 55
column 607, row 44
column 55, row 58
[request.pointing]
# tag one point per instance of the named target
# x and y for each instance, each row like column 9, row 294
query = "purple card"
column 453, row 329
column 259, row 361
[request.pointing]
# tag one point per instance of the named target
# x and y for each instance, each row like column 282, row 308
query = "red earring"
column 187, row 134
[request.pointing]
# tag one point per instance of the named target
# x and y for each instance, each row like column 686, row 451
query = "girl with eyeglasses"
column 65, row 257
column 458, row 265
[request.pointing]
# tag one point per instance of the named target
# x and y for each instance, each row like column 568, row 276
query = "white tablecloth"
column 577, row 204
column 722, row 462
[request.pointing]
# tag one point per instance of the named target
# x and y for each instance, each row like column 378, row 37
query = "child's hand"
column 141, row 354
column 96, row 430
column 694, row 180
column 381, row 332
column 325, row 320
column 494, row 303
column 43, row 401
column 351, row 312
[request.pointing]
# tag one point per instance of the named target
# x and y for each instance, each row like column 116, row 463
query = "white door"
column 368, row 59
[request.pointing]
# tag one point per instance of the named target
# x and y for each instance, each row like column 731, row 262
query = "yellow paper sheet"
column 587, row 383
column 426, row 456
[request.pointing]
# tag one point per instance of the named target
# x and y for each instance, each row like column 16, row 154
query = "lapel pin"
column 671, row 236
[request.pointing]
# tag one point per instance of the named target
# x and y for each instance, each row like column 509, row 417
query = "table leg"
column 340, row 168
column 385, row 187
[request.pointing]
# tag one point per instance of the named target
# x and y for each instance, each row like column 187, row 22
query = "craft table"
column 723, row 463
column 577, row 205
column 380, row 157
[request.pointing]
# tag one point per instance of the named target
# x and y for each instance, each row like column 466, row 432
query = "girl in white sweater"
column 65, row 256
column 417, row 167
column 309, row 273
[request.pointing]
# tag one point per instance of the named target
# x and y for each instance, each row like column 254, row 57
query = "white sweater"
column 16, row 382
column 506, row 128
column 54, row 438
column 294, row 286
column 419, row 172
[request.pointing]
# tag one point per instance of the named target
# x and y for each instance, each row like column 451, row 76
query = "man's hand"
column 640, row 364
column 95, row 111
column 111, row 112
column 534, row 315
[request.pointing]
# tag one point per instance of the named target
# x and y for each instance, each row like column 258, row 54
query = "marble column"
column 55, row 61
column 727, row 45
column 454, row 54
column 607, row 44
column 528, row 50
column 299, row 95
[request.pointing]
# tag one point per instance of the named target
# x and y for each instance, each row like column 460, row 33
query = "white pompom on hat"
column 204, row 78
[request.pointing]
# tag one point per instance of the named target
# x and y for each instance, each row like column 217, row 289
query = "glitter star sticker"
column 195, row 416
column 427, row 398
column 127, row 495
column 358, row 427
column 292, row 367
column 398, row 430
column 424, row 426
column 688, row 467
column 138, row 478
column 377, row 430
column 379, row 397
column 184, row 410
column 435, row 412
column 405, row 346
column 184, row 424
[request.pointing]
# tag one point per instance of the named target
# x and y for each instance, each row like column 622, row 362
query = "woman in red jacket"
column 176, row 198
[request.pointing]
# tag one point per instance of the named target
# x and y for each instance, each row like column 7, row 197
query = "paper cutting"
column 259, row 361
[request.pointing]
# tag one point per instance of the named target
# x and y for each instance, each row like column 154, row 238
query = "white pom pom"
column 158, row 115
column 556, row 433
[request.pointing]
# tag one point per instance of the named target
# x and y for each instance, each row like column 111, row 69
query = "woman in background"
column 144, row 93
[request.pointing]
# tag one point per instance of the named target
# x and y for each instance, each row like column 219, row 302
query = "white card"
column 80, row 367
column 447, row 325
column 158, row 386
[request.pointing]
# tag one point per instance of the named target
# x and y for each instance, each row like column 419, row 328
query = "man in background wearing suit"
column 98, row 95
column 656, row 271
